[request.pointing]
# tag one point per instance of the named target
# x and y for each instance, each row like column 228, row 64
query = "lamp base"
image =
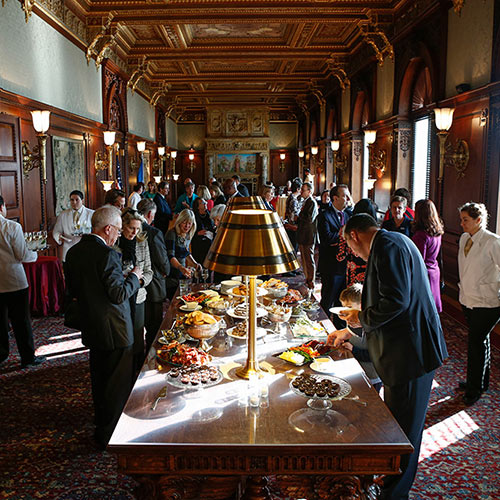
column 246, row 371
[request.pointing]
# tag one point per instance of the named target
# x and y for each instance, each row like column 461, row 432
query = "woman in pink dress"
column 427, row 232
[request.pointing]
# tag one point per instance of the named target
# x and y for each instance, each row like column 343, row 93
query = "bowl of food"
column 201, row 326
column 217, row 307
column 226, row 285
column 278, row 314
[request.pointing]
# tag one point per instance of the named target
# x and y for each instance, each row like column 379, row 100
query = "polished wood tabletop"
column 219, row 418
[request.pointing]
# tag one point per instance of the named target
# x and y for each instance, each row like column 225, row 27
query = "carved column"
column 265, row 166
column 402, row 169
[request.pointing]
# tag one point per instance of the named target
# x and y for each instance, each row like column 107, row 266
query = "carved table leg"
column 256, row 488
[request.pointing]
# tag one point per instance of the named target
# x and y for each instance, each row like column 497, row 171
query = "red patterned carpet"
column 47, row 450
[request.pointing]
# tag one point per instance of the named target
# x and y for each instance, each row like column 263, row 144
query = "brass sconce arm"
column 339, row 161
column 103, row 161
column 452, row 156
column 36, row 158
column 378, row 158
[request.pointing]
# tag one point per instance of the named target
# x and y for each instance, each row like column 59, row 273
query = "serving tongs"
column 161, row 394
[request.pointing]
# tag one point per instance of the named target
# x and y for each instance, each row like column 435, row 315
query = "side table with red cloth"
column 46, row 285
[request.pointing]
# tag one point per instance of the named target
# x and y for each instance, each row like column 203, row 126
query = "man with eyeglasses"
column 100, row 292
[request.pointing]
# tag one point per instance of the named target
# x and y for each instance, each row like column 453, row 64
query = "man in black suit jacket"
column 403, row 331
column 163, row 211
column 307, row 233
column 242, row 189
column 94, row 278
column 157, row 290
column 333, row 271
column 230, row 189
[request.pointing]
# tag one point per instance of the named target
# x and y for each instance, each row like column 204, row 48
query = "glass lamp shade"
column 141, row 146
column 301, row 153
column 282, row 156
column 191, row 156
column 314, row 150
column 175, row 176
column 157, row 178
column 335, row 145
column 41, row 121
column 107, row 185
column 161, row 150
column 444, row 118
column 251, row 242
column 370, row 136
column 174, row 154
column 109, row 137
column 369, row 183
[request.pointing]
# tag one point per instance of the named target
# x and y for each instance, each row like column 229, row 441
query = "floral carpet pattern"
column 47, row 451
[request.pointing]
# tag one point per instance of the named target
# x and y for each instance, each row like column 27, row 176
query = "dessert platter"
column 240, row 331
column 320, row 390
column 194, row 376
column 178, row 354
column 242, row 291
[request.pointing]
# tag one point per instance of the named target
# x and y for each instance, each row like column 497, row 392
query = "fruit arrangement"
column 305, row 353
column 193, row 297
column 181, row 354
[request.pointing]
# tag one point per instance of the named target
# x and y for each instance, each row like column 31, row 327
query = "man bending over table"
column 403, row 332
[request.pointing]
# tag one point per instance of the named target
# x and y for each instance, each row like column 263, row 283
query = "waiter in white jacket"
column 479, row 271
column 72, row 223
column 14, row 299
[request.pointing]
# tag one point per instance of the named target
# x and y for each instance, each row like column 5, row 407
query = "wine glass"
column 127, row 266
column 205, row 273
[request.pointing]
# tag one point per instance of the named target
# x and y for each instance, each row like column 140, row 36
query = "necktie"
column 468, row 246
column 76, row 218
column 342, row 218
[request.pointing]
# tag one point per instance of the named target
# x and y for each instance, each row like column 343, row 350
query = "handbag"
column 72, row 316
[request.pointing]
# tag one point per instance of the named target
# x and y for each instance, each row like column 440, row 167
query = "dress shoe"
column 462, row 386
column 37, row 360
column 470, row 400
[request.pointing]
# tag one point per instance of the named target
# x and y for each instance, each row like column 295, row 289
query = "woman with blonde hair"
column 267, row 194
column 204, row 194
column 479, row 273
column 178, row 241
column 427, row 231
column 134, row 250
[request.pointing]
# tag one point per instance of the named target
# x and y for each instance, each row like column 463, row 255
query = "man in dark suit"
column 157, row 291
column 333, row 271
column 230, row 189
column 94, row 278
column 163, row 211
column 403, row 331
column 242, row 189
column 307, row 233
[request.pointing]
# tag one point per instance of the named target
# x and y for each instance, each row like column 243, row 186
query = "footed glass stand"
column 324, row 402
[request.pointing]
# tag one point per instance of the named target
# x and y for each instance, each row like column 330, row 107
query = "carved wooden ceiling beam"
column 232, row 78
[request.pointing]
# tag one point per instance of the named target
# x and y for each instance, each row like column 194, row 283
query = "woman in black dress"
column 204, row 230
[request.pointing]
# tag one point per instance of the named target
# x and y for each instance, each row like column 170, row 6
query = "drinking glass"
column 127, row 266
column 205, row 273
column 183, row 286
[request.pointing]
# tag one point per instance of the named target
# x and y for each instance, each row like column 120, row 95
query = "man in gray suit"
column 307, row 233
column 94, row 278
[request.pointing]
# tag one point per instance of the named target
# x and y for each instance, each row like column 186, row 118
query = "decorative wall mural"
column 69, row 169
column 242, row 163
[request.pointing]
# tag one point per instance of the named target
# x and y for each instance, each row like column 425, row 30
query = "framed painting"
column 244, row 163
column 68, row 159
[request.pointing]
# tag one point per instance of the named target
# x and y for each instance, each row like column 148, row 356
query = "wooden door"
column 10, row 167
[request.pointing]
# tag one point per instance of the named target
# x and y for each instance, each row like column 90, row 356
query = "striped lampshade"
column 251, row 242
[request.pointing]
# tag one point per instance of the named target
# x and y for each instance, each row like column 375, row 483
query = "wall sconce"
column 282, row 162
column 141, row 146
column 158, row 164
column 191, row 158
column 301, row 158
column 107, row 185
column 105, row 161
column 173, row 156
column 376, row 159
column 175, row 177
column 37, row 157
column 483, row 119
column 314, row 150
column 451, row 156
column 339, row 162
column 370, row 182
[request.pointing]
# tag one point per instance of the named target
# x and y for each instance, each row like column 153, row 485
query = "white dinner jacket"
column 64, row 228
column 480, row 271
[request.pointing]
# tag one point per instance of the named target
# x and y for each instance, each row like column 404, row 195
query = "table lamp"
column 252, row 242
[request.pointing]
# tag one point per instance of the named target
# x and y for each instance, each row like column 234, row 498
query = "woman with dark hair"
column 398, row 222
column 204, row 230
column 427, row 232
column 478, row 269
column 356, row 266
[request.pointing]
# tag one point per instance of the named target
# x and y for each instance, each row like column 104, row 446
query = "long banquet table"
column 210, row 444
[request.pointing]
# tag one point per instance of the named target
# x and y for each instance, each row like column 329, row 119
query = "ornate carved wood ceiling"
column 211, row 52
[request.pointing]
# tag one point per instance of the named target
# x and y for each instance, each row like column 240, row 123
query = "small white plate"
column 336, row 310
column 189, row 309
column 261, row 312
column 329, row 368
column 261, row 332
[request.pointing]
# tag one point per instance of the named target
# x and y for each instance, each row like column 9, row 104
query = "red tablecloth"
column 46, row 285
